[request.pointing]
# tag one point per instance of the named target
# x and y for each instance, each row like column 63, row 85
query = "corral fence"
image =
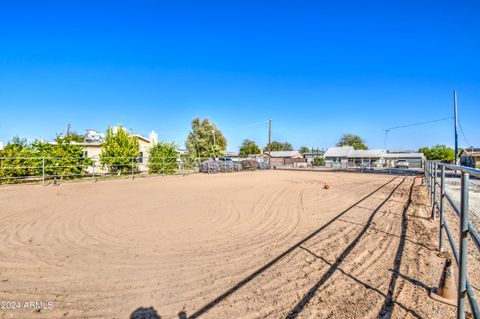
column 435, row 173
column 42, row 169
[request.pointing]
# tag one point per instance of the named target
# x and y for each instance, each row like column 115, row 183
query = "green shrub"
column 119, row 151
column 162, row 158
column 318, row 161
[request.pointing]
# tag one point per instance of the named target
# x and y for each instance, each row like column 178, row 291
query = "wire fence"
column 43, row 169
column 435, row 177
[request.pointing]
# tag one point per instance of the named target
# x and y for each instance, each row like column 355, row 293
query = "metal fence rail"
column 41, row 169
column 434, row 183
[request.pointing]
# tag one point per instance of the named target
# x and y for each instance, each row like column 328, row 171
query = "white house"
column 348, row 156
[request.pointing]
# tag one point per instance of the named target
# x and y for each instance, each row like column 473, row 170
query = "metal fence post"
column 434, row 191
column 43, row 169
column 163, row 166
column 463, row 251
column 442, row 207
column 93, row 170
column 132, row 169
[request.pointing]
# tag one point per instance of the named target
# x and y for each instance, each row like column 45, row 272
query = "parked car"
column 225, row 159
column 401, row 164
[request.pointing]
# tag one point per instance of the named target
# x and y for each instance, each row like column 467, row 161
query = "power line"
column 463, row 133
column 410, row 125
column 418, row 123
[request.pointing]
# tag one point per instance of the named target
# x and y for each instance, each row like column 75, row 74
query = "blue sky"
column 316, row 69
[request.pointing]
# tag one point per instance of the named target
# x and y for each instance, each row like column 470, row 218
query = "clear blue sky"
column 316, row 69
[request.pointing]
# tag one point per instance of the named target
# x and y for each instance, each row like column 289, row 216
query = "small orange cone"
column 447, row 290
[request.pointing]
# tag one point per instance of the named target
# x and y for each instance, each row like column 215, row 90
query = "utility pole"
column 456, row 124
column 68, row 129
column 269, row 139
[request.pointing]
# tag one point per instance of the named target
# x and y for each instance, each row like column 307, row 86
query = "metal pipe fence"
column 42, row 169
column 435, row 183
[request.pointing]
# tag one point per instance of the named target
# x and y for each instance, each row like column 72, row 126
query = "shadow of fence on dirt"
column 260, row 270
column 388, row 305
column 333, row 267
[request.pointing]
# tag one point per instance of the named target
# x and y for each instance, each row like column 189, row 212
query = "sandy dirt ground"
column 271, row 244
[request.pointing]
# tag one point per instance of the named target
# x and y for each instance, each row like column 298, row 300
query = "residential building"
column 470, row 156
column 279, row 158
column 347, row 156
column 310, row 156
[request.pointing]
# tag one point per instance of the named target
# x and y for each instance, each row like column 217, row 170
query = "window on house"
column 140, row 158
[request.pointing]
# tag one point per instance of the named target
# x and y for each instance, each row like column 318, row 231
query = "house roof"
column 284, row 153
column 404, row 155
column 141, row 137
column 471, row 151
column 367, row 153
column 342, row 151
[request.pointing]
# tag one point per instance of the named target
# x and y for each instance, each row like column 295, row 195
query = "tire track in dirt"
column 333, row 268
column 259, row 271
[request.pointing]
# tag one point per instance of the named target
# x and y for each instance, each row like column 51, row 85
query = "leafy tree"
column 15, row 160
column 249, row 148
column 439, row 152
column 352, row 140
column 118, row 150
column 205, row 139
column 163, row 158
column 75, row 137
column 61, row 158
column 304, row 149
column 279, row 146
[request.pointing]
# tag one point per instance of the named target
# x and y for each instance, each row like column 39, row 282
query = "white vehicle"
column 402, row 164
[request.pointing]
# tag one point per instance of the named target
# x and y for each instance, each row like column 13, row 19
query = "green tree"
column 439, row 152
column 119, row 150
column 352, row 140
column 304, row 149
column 162, row 158
column 15, row 160
column 75, row 137
column 279, row 146
column 205, row 139
column 249, row 147
column 61, row 158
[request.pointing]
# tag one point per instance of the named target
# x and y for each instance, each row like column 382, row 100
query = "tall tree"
column 304, row 149
column 438, row 152
column 280, row 146
column 352, row 140
column 119, row 150
column 249, row 147
column 205, row 139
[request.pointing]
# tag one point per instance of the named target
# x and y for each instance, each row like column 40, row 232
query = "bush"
column 163, row 158
column 60, row 158
column 119, row 150
column 318, row 161
column 209, row 166
column 263, row 165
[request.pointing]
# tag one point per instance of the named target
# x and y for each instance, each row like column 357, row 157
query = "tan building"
column 470, row 156
column 280, row 158
column 94, row 148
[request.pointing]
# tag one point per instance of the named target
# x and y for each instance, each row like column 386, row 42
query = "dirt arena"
column 267, row 244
